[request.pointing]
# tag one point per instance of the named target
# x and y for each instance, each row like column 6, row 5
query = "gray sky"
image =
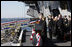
column 13, row 9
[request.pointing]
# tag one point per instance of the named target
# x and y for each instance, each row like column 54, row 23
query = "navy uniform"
column 68, row 34
column 65, row 22
column 45, row 29
column 66, row 29
column 70, row 26
column 60, row 29
column 50, row 26
column 55, row 27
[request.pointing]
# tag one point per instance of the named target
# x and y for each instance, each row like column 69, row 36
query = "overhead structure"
column 48, row 8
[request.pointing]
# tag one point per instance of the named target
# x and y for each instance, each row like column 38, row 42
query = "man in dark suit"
column 65, row 22
column 50, row 26
column 68, row 29
column 60, row 27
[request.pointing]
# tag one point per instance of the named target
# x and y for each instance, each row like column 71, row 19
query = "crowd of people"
column 58, row 26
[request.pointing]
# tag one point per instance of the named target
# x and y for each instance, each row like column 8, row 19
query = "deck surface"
column 48, row 42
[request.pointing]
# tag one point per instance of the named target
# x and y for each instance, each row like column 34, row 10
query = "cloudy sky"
column 13, row 9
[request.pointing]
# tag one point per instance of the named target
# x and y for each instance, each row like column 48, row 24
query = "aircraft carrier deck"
column 48, row 42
